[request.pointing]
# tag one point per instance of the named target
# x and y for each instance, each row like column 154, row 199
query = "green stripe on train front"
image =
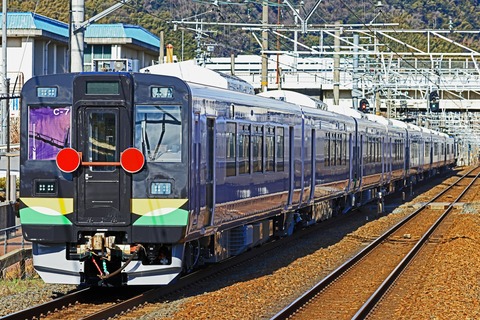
column 46, row 211
column 160, row 212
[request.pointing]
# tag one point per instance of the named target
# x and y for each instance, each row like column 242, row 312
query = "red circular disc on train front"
column 68, row 160
column 132, row 160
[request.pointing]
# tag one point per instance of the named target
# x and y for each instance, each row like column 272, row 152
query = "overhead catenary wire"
column 235, row 4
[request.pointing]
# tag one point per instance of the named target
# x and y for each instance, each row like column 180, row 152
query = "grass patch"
column 18, row 286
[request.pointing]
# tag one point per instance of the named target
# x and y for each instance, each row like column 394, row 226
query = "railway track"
column 354, row 289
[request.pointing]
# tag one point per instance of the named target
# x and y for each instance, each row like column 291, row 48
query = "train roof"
column 190, row 72
column 346, row 111
column 414, row 127
column 376, row 118
column 398, row 123
column 207, row 92
column 217, row 93
column 307, row 101
column 294, row 97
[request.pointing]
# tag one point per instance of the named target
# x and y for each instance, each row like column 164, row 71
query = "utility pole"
column 3, row 81
column 77, row 27
column 264, row 79
column 336, row 66
column 162, row 45
column 77, row 16
column 355, row 91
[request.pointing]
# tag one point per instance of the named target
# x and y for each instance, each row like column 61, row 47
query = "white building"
column 38, row 45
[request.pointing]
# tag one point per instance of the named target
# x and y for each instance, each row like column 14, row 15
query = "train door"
column 361, row 163
column 103, row 187
column 352, row 162
column 301, row 168
column 210, row 182
column 407, row 154
column 313, row 153
column 196, row 155
column 389, row 159
column 291, row 166
column 383, row 158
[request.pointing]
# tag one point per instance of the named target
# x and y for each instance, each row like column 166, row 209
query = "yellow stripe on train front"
column 60, row 205
column 159, row 206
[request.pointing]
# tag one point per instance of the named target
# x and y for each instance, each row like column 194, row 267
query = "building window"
column 93, row 52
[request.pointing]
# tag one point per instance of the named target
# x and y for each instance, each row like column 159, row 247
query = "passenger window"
column 257, row 143
column 231, row 143
column 327, row 149
column 48, row 131
column 158, row 133
column 244, row 150
column 280, row 149
column 270, row 149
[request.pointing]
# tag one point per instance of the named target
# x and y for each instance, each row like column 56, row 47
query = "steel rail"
column 395, row 274
column 37, row 311
column 334, row 275
column 203, row 274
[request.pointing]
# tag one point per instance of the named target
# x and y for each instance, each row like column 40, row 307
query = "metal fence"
column 7, row 215
column 8, row 233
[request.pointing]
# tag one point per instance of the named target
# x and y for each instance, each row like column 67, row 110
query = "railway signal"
column 434, row 101
column 364, row 105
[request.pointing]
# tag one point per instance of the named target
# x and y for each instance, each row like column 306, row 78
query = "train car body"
column 134, row 178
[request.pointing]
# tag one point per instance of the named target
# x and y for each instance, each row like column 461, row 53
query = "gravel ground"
column 262, row 289
column 446, row 286
column 16, row 295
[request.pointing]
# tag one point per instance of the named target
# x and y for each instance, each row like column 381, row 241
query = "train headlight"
column 161, row 188
column 45, row 187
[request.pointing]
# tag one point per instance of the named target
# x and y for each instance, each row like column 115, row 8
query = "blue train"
column 135, row 178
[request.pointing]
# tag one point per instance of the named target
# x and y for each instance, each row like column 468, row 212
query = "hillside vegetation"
column 156, row 16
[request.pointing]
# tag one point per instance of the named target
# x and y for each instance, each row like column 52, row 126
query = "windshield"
column 158, row 133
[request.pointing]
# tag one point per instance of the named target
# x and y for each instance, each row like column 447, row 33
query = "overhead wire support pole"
column 101, row 15
column 77, row 15
column 264, row 77
column 303, row 21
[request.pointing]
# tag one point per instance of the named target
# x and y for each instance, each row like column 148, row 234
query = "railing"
column 13, row 146
column 8, row 233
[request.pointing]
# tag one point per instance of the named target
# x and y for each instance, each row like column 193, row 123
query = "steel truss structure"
column 376, row 61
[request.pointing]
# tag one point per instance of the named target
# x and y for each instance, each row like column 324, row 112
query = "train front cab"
column 102, row 220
